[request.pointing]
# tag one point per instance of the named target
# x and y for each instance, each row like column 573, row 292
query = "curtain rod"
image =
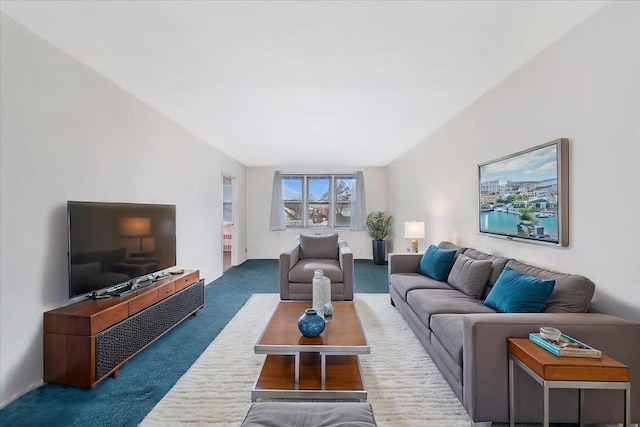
column 319, row 173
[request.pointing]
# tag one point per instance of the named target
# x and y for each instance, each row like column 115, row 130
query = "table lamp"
column 414, row 230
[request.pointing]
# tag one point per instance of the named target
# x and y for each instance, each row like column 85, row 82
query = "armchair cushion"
column 302, row 272
column 319, row 246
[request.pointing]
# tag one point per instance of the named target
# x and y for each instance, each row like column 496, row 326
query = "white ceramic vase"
column 321, row 291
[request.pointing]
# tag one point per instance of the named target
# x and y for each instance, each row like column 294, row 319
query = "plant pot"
column 379, row 251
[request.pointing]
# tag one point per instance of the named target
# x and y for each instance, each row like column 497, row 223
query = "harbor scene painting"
column 521, row 195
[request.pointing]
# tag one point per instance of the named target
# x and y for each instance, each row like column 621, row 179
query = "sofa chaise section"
column 485, row 367
column 467, row 340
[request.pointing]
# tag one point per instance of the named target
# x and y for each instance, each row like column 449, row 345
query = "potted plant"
column 378, row 226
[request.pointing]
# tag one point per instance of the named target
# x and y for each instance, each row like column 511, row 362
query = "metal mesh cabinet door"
column 121, row 341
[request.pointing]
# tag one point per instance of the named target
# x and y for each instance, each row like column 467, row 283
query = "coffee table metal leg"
column 323, row 370
column 297, row 370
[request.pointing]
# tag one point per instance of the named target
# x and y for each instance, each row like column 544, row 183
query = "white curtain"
column 277, row 222
column 358, row 204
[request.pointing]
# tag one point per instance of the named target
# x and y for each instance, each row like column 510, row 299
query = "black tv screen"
column 113, row 243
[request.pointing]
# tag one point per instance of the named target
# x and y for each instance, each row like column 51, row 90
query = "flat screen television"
column 525, row 195
column 110, row 244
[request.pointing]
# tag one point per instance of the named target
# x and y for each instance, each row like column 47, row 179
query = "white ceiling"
column 304, row 83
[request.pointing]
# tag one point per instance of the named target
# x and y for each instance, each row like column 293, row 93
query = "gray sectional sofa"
column 467, row 340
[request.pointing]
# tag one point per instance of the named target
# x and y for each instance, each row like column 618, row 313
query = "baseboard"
column 21, row 393
column 213, row 280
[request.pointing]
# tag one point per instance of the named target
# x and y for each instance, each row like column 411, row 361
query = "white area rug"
column 405, row 387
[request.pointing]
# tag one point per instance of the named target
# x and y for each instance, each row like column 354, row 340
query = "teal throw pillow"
column 436, row 263
column 515, row 292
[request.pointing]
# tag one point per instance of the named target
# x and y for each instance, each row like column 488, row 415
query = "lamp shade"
column 414, row 229
column 134, row 227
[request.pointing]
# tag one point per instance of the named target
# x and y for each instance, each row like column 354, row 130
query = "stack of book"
column 565, row 346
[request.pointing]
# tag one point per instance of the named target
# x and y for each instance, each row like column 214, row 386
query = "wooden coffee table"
column 325, row 367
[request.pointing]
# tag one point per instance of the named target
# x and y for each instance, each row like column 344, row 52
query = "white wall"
column 69, row 134
column 585, row 87
column 263, row 243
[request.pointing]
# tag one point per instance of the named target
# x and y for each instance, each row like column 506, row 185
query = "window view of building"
column 317, row 201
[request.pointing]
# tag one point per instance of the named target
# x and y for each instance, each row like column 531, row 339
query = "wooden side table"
column 551, row 371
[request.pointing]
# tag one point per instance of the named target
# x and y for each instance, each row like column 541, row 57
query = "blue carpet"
column 145, row 379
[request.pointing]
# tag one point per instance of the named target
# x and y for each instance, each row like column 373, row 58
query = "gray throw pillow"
column 319, row 246
column 470, row 275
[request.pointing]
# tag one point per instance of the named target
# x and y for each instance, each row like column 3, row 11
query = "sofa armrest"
column 485, row 359
column 345, row 256
column 403, row 262
column 287, row 260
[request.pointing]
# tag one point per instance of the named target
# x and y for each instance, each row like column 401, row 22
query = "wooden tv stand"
column 87, row 341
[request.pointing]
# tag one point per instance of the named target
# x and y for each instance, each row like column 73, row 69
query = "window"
column 317, row 201
column 293, row 201
column 343, row 199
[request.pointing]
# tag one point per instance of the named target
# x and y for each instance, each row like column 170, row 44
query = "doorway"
column 228, row 183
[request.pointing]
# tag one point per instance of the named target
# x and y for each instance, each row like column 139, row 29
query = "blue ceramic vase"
column 311, row 324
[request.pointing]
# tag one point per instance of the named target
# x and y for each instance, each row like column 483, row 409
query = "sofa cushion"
column 447, row 328
column 302, row 272
column 426, row 302
column 470, row 275
column 436, row 263
column 447, row 365
column 571, row 294
column 515, row 292
column 497, row 265
column 319, row 246
column 405, row 282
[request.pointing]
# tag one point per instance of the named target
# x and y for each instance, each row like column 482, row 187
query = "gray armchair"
column 317, row 252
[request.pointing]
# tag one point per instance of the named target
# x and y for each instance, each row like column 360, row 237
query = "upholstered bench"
column 309, row 414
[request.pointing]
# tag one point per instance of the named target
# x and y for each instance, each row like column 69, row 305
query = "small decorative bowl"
column 549, row 333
